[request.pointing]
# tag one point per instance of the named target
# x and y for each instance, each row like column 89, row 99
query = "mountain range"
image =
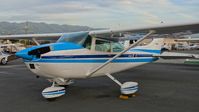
column 8, row 28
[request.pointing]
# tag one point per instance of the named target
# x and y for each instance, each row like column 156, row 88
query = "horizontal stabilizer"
column 174, row 55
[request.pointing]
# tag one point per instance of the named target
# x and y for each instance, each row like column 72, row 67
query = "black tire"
column 66, row 86
column 3, row 61
column 51, row 99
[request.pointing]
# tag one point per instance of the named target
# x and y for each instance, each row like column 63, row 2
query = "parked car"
column 180, row 46
column 11, row 48
column 3, row 58
column 194, row 47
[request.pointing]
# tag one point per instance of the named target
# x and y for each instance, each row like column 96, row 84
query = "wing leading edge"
column 190, row 28
column 185, row 28
column 49, row 36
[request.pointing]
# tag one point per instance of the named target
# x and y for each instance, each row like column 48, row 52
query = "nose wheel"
column 127, row 89
column 53, row 92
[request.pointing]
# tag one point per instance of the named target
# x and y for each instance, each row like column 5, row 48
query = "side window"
column 0, row 53
column 87, row 43
column 102, row 45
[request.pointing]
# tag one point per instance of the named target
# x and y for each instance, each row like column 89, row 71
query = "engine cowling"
column 36, row 51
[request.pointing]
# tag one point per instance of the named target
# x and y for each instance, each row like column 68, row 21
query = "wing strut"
column 36, row 42
column 119, row 54
column 114, row 79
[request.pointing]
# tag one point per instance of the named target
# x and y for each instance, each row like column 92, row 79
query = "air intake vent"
column 32, row 66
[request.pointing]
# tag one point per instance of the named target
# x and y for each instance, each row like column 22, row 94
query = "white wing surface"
column 183, row 28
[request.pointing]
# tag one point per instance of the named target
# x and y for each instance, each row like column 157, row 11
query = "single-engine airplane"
column 95, row 53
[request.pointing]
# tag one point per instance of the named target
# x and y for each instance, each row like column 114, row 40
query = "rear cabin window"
column 117, row 47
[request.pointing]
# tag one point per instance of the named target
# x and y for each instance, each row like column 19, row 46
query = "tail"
column 154, row 47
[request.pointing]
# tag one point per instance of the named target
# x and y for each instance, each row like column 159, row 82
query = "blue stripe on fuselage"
column 133, row 60
column 95, row 56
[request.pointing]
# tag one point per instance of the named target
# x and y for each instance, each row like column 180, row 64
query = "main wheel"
column 129, row 88
column 3, row 61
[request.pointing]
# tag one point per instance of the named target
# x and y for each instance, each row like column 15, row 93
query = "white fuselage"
column 78, row 63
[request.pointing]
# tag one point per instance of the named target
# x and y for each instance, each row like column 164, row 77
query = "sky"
column 101, row 13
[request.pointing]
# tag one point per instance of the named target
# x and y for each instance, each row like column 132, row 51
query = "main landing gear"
column 127, row 89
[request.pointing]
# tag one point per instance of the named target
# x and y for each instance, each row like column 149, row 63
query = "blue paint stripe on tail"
column 146, row 50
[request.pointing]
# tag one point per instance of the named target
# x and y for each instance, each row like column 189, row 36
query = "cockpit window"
column 102, row 45
column 85, row 40
column 78, row 38
column 108, row 46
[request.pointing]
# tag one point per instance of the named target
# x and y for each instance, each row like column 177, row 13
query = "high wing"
column 49, row 36
column 183, row 28
column 173, row 29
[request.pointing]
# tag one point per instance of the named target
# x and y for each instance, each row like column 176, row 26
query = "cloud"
column 100, row 13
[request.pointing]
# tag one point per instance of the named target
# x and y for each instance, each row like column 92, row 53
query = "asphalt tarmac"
column 162, row 88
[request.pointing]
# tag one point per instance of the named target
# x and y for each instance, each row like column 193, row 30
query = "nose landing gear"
column 57, row 89
column 53, row 92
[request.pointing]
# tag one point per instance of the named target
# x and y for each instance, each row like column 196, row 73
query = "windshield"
column 3, row 53
column 78, row 38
